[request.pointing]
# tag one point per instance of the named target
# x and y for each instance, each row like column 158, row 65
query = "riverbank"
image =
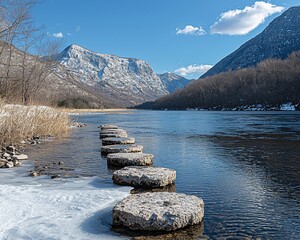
column 21, row 126
column 42, row 208
column 84, row 111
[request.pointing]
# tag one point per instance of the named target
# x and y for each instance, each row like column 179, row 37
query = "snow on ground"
column 41, row 208
column 287, row 107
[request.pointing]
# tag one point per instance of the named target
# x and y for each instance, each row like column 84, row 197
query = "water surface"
column 245, row 165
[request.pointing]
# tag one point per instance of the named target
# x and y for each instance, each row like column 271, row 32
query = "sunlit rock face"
column 127, row 79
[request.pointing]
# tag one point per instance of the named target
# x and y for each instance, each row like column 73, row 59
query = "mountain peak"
column 173, row 81
column 279, row 39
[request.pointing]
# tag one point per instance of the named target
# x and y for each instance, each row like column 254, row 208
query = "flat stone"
column 113, row 131
column 128, row 148
column 115, row 141
column 113, row 135
column 20, row 157
column 149, row 177
column 108, row 126
column 160, row 211
column 130, row 159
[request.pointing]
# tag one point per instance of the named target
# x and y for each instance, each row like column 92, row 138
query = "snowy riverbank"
column 41, row 208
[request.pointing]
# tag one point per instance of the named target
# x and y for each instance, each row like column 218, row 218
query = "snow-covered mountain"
column 128, row 80
column 173, row 81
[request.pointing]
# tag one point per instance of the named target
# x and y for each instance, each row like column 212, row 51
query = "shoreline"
column 86, row 110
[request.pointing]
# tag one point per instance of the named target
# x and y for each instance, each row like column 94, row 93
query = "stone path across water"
column 150, row 211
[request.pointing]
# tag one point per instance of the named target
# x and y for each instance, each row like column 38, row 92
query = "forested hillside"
column 271, row 83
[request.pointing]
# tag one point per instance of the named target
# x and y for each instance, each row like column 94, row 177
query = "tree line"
column 272, row 82
column 25, row 52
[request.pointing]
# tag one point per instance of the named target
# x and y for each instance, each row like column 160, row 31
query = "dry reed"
column 19, row 123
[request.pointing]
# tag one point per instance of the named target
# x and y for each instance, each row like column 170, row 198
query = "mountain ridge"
column 128, row 80
column 280, row 38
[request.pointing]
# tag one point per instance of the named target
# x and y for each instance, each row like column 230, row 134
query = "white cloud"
column 190, row 30
column 58, row 35
column 241, row 22
column 78, row 28
column 192, row 69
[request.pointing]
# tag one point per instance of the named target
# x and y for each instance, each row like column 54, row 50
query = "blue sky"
column 182, row 36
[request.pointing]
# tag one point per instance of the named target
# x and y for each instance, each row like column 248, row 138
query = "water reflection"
column 245, row 166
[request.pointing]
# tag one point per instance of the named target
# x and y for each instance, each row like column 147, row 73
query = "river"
column 245, row 166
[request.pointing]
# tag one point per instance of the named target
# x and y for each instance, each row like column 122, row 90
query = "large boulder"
column 160, row 211
column 127, row 148
column 115, row 141
column 149, row 177
column 130, row 159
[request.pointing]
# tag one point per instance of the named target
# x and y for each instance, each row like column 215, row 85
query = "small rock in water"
column 61, row 163
column 160, row 211
column 55, row 176
column 128, row 148
column 34, row 174
column 9, row 165
column 149, row 177
column 114, row 141
column 130, row 159
column 16, row 162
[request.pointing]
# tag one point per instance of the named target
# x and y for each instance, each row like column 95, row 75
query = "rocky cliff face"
column 278, row 40
column 128, row 80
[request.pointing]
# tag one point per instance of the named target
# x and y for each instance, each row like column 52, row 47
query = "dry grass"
column 19, row 123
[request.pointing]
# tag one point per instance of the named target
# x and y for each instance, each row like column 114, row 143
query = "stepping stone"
column 108, row 126
column 128, row 148
column 160, row 211
column 148, row 177
column 113, row 131
column 113, row 135
column 130, row 159
column 115, row 141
